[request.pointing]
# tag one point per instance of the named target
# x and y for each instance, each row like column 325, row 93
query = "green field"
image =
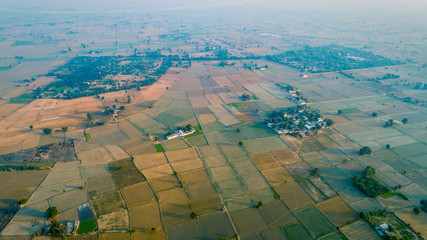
column 159, row 148
column 86, row 227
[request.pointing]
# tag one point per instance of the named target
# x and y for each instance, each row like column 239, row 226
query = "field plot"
column 296, row 232
column 264, row 161
column 145, row 217
column 129, row 130
column 311, row 189
column 107, row 135
column 234, row 153
column 158, row 171
column 336, row 178
column 197, row 141
column 149, row 160
column 188, row 230
column 100, row 184
column 117, row 152
column 108, row 203
column 316, row 160
column 417, row 222
column 415, row 193
column 214, row 161
column 359, row 230
column 322, row 186
column 216, row 226
column 182, row 154
column 174, row 144
column 125, row 173
column 138, row 194
column 260, row 145
column 230, row 187
column 293, row 195
column 15, row 186
column 186, row 165
column 277, row 214
column 195, row 176
column 165, row 183
column 149, row 125
column 248, row 221
column 116, row 221
column 314, row 221
column 244, row 167
column 95, row 156
column 68, row 200
column 223, row 115
column 171, row 109
column 286, row 156
column 337, row 211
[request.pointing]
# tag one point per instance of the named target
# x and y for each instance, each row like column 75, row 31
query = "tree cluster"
column 369, row 186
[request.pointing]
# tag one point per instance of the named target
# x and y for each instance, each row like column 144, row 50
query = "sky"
column 159, row 5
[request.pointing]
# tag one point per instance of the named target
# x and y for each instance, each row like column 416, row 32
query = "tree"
column 122, row 108
column 374, row 114
column 368, row 172
column 241, row 143
column 259, row 204
column 51, row 213
column 389, row 123
column 417, row 210
column 364, row 216
column 88, row 137
column 47, row 131
column 365, row 150
column 339, row 112
column 329, row 122
column 64, row 130
column 193, row 215
column 129, row 99
column 387, row 146
column 31, row 127
column 404, row 121
column 90, row 116
column 56, row 230
column 23, row 201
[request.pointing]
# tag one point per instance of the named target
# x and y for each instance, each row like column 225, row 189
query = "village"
column 297, row 121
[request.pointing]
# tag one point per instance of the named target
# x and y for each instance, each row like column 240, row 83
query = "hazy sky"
column 150, row 5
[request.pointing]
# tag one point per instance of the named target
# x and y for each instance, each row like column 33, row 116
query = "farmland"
column 87, row 105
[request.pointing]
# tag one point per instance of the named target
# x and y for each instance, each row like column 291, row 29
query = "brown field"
column 125, row 173
column 264, row 161
column 171, row 196
column 94, row 156
column 293, row 195
column 138, row 194
column 276, row 176
column 195, row 176
column 108, row 203
column 277, row 214
column 337, row 211
column 117, row 152
column 145, row 217
column 15, row 186
column 187, row 165
column 149, row 160
column 182, row 154
column 116, row 221
column 158, row 171
column 164, row 183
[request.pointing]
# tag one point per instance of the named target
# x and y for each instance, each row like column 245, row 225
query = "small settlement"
column 181, row 132
column 297, row 121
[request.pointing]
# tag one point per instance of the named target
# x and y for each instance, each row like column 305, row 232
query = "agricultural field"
column 88, row 106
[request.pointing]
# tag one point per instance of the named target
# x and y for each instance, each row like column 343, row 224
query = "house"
column 382, row 229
